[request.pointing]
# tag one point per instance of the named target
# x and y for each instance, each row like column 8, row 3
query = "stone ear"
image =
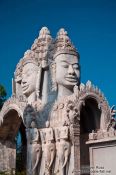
column 53, row 75
column 38, row 82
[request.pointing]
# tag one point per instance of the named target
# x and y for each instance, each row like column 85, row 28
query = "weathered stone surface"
column 58, row 112
column 7, row 156
column 102, row 156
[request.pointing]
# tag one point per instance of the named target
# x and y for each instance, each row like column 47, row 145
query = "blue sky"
column 91, row 25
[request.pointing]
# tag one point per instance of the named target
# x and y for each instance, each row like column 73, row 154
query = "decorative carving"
column 35, row 60
column 113, row 111
column 63, row 43
column 63, row 147
column 29, row 115
column 73, row 113
column 18, row 71
column 92, row 136
column 102, row 134
column 29, row 75
column 90, row 91
column 12, row 103
column 48, row 147
column 41, row 44
column 67, row 62
column 34, row 150
column 29, row 57
column 64, row 112
column 53, row 76
column 112, row 122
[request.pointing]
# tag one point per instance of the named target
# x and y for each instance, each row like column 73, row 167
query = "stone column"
column 75, row 150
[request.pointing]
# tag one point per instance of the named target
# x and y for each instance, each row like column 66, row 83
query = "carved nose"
column 71, row 70
column 23, row 81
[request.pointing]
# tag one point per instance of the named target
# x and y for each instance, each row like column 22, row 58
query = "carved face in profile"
column 29, row 75
column 67, row 70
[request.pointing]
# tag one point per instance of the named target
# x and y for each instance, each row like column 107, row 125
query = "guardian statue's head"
column 67, row 68
column 29, row 73
column 31, row 67
column 26, row 75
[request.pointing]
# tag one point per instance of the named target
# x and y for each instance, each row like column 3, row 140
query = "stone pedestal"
column 102, row 156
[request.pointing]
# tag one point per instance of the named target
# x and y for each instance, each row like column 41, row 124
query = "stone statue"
column 29, row 115
column 41, row 47
column 48, row 96
column 32, row 70
column 49, row 148
column 63, row 147
column 33, row 149
column 28, row 76
column 67, row 63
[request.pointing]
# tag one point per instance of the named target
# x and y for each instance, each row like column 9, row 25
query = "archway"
column 90, row 116
column 12, row 124
column 21, row 150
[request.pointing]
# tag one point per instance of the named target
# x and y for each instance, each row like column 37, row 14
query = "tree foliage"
column 2, row 95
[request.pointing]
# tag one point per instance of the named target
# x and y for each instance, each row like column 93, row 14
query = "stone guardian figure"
column 34, row 149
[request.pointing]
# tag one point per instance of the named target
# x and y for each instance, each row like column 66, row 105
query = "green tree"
column 2, row 95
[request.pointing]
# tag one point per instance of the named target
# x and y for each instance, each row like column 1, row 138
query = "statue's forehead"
column 71, row 59
column 29, row 66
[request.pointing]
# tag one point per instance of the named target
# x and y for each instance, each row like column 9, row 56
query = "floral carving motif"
column 72, row 113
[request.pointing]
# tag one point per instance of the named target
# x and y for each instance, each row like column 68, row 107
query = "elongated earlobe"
column 53, row 75
column 38, row 82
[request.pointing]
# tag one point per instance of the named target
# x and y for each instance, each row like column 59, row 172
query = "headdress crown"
column 63, row 44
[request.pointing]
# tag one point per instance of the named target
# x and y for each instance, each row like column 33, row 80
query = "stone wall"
column 7, row 156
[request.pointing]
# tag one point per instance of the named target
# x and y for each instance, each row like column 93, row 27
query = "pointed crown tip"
column 61, row 32
column 44, row 31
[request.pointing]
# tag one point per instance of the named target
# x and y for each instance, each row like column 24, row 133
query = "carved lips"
column 71, row 78
column 25, row 87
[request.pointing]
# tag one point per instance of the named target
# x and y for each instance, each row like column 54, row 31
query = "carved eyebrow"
column 76, row 64
column 64, row 61
column 70, row 63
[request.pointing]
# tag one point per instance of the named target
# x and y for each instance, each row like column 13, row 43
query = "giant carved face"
column 29, row 75
column 67, row 70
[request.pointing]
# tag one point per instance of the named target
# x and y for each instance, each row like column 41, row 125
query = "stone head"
column 67, row 70
column 29, row 75
column 66, row 60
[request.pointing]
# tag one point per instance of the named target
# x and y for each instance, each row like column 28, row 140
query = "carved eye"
column 75, row 66
column 65, row 65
